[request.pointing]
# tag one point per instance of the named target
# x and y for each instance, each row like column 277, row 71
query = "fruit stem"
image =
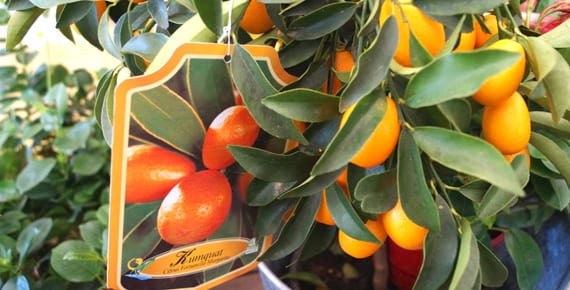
column 512, row 20
column 361, row 22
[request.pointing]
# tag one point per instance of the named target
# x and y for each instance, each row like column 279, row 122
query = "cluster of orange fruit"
column 194, row 204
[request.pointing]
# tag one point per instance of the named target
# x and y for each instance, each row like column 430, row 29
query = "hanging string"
column 227, row 33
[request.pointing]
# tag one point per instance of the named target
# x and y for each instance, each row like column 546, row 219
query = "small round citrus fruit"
column 481, row 36
column 402, row 230
column 152, row 171
column 383, row 140
column 511, row 157
column 342, row 180
column 233, row 126
column 502, row 85
column 195, row 208
column 427, row 31
column 362, row 249
column 255, row 20
column 343, row 61
column 507, row 125
column 466, row 41
column 323, row 214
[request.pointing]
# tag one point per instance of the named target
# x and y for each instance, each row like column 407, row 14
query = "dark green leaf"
column 297, row 52
column 350, row 138
column 474, row 190
column 438, row 81
column 467, row 154
column 413, row 191
column 467, row 266
column 271, row 166
column 527, row 258
column 74, row 271
column 554, row 192
column 269, row 217
column 553, row 152
column 493, row 272
column 165, row 115
column 253, row 87
column 313, row 185
column 443, row 7
column 19, row 24
column 211, row 14
column 419, row 55
column 140, row 235
column 145, row 45
column 296, row 230
column 344, row 215
column 322, row 21
column 457, row 112
column 496, row 199
column 307, row 277
column 8, row 191
column 440, row 251
column 320, row 238
column 313, row 78
column 261, row 193
column 158, row 12
column 377, row 193
column 88, row 27
column 73, row 12
column 304, row 105
column 34, row 173
column 372, row 66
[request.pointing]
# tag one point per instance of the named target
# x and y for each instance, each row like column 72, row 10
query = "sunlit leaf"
column 467, row 154
column 19, row 24
column 73, row 270
column 439, row 81
column 145, row 45
column 158, row 12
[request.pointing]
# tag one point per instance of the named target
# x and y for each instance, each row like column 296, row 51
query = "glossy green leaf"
column 19, row 24
column 322, row 21
column 554, row 192
column 261, row 193
column 457, row 112
column 297, row 52
column 443, row 7
column 543, row 120
column 467, row 154
column 140, row 236
column 88, row 27
column 419, row 55
column 496, row 199
column 313, row 185
column 313, row 78
column 320, row 239
column 527, row 258
column 354, row 134
column 459, row 24
column 253, row 87
column 493, row 271
column 296, row 230
column 82, row 256
column 105, row 38
column 34, row 173
column 467, row 266
column 32, row 237
column 440, row 251
column 211, row 14
column 72, row 12
column 92, row 232
column 553, row 152
column 271, row 166
column 557, row 87
column 161, row 112
column 269, row 217
column 439, row 81
column 377, row 193
column 158, row 12
column 73, row 270
column 304, row 105
column 145, row 45
column 344, row 215
column 372, row 65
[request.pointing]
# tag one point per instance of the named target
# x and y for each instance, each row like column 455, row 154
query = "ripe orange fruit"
column 241, row 184
column 343, row 63
column 255, row 20
column 401, row 230
column 507, row 125
column 510, row 157
column 292, row 144
column 323, row 214
column 233, row 126
column 466, row 41
column 502, row 85
column 342, row 180
column 100, row 6
column 383, row 140
column 481, row 36
column 152, row 171
column 195, row 208
column 362, row 249
column 429, row 32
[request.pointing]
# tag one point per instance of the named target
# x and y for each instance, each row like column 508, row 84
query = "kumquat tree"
column 430, row 124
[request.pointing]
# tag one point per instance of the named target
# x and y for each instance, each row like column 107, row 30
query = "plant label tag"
column 178, row 212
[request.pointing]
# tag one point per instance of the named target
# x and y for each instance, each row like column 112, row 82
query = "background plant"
column 460, row 201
